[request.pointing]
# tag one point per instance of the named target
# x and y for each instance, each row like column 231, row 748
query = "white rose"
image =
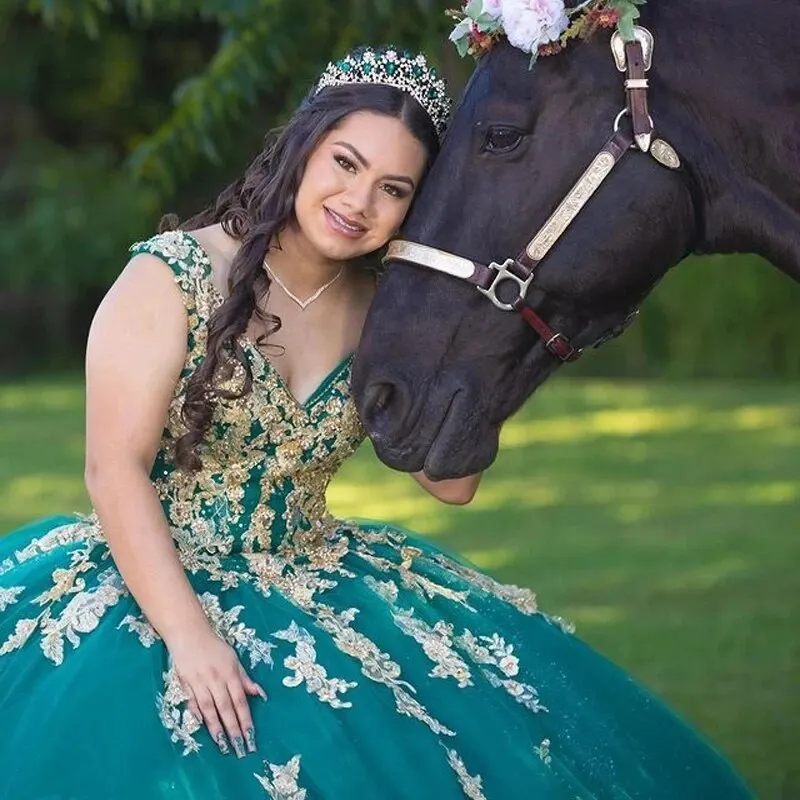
column 492, row 8
column 528, row 24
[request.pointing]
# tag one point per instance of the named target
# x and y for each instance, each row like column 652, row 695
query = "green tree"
column 113, row 111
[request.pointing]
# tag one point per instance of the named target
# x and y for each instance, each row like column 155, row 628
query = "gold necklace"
column 304, row 304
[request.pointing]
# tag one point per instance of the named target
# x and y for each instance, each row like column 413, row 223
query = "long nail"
column 222, row 743
column 238, row 746
column 250, row 736
column 261, row 693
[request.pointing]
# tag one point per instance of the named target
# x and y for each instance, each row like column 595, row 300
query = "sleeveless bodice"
column 267, row 459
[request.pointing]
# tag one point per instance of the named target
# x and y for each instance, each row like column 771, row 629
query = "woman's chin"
column 336, row 248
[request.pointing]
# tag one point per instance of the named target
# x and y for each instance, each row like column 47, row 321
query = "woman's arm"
column 455, row 491
column 136, row 350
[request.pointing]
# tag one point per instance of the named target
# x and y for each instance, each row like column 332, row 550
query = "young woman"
column 210, row 631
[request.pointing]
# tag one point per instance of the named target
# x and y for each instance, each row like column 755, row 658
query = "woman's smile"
column 342, row 225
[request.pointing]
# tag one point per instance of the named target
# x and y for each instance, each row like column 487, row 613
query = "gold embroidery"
column 567, row 626
column 523, row 693
column 422, row 586
column 377, row 666
column 235, row 633
column 9, row 596
column 308, row 671
column 282, row 784
column 86, row 606
column 81, row 615
column 22, row 632
column 543, row 751
column 72, row 533
column 386, row 589
column 142, row 628
column 524, row 600
column 437, row 643
column 494, row 651
column 180, row 722
column 472, row 785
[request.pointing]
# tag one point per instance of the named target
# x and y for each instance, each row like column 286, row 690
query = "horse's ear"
column 749, row 218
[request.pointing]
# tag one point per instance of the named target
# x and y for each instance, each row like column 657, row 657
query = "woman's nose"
column 358, row 198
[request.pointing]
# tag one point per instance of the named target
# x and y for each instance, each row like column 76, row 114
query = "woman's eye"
column 393, row 191
column 345, row 163
column 502, row 139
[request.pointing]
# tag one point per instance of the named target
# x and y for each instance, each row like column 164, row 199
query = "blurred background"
column 652, row 495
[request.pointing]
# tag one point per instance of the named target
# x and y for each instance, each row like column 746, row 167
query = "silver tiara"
column 389, row 66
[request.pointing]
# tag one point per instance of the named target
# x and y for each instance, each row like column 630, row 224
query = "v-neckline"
column 250, row 345
column 281, row 381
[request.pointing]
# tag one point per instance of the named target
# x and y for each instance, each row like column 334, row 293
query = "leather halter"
column 634, row 58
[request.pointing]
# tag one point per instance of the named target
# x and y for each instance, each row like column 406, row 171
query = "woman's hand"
column 218, row 688
column 453, row 491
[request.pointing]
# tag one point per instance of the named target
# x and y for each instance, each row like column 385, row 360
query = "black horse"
column 440, row 367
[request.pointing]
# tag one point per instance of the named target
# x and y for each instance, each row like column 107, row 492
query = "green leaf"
column 474, row 8
column 626, row 24
column 629, row 13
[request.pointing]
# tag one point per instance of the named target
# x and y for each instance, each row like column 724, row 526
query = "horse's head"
column 440, row 366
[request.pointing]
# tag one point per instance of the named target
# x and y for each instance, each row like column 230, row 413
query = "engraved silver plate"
column 430, row 257
column 644, row 37
column 665, row 154
column 571, row 205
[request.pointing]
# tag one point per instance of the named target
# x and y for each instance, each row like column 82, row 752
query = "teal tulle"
column 394, row 669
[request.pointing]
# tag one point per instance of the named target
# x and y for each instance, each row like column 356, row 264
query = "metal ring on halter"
column 624, row 113
column 505, row 274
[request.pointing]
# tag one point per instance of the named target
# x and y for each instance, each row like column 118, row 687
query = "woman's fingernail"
column 222, row 743
column 262, row 693
column 238, row 746
column 250, row 736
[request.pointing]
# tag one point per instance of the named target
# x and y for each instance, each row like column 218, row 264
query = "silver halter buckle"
column 504, row 273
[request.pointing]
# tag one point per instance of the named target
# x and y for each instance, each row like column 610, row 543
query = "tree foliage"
column 112, row 111
column 265, row 48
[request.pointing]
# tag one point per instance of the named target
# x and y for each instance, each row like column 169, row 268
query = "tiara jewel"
column 390, row 66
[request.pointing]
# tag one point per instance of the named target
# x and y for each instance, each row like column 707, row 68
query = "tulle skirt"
column 393, row 670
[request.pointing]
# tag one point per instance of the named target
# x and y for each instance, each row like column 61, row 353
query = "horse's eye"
column 502, row 139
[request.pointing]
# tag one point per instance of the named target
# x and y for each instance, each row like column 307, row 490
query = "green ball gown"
column 394, row 670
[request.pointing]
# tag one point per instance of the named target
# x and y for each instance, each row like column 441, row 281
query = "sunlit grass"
column 662, row 518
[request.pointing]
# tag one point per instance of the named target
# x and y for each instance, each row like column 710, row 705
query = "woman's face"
column 358, row 185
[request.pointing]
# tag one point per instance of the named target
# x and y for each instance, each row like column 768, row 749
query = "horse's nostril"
column 385, row 409
column 377, row 398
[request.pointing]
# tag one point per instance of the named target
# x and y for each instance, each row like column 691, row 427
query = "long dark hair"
column 254, row 210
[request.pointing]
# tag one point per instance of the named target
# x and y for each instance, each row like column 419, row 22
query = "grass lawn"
column 662, row 519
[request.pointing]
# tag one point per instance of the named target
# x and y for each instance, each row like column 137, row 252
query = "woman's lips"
column 343, row 226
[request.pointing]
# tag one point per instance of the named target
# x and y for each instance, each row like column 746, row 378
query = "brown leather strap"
column 558, row 344
column 636, row 92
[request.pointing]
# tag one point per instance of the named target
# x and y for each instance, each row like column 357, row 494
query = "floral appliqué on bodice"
column 268, row 459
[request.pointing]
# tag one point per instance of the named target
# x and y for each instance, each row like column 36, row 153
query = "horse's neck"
column 733, row 78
